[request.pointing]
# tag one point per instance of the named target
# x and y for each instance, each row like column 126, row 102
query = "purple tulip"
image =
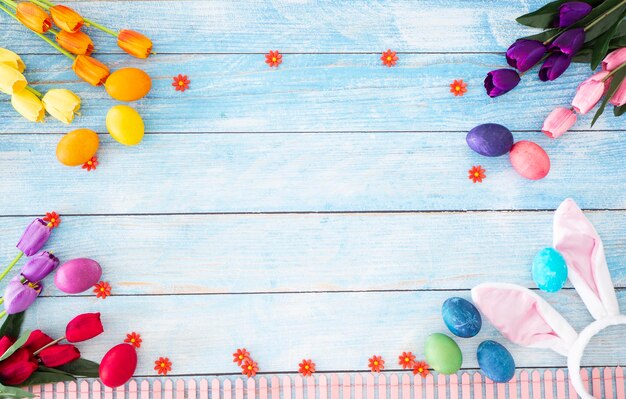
column 554, row 66
column 524, row 54
column 19, row 296
column 569, row 42
column 34, row 237
column 39, row 266
column 501, row 81
column 571, row 12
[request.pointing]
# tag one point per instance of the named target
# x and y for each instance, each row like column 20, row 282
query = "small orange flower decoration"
column 458, row 87
column 163, row 365
column 407, row 359
column 240, row 356
column 421, row 368
column 376, row 364
column 102, row 289
column 477, row 174
column 134, row 339
column 389, row 58
column 273, row 58
column 249, row 368
column 307, row 367
column 91, row 164
column 53, row 219
column 181, row 82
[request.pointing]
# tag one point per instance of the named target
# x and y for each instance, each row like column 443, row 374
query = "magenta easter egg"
column 529, row 160
column 118, row 365
column 77, row 275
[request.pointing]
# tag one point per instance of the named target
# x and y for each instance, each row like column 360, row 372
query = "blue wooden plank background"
column 321, row 209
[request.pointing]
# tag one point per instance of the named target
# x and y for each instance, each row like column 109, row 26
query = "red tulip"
column 18, row 367
column 36, row 340
column 118, row 365
column 5, row 343
column 58, row 355
column 84, row 327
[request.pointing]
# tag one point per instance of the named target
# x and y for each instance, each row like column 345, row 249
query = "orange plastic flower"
column 307, row 367
column 181, row 82
column 53, row 219
column 389, row 58
column 273, row 58
column 376, row 364
column 91, row 164
column 249, row 368
column 421, row 368
column 477, row 174
column 134, row 339
column 78, row 43
column 163, row 365
column 240, row 356
column 34, row 17
column 407, row 359
column 90, row 70
column 134, row 43
column 102, row 289
column 66, row 19
column 458, row 87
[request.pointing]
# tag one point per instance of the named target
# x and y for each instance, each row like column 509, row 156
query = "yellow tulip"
column 62, row 104
column 28, row 105
column 11, row 59
column 11, row 80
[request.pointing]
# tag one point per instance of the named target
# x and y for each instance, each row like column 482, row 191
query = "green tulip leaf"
column 12, row 325
column 619, row 111
column 544, row 17
column 619, row 75
column 46, row 377
column 601, row 44
column 602, row 17
column 18, row 344
column 14, row 393
column 82, row 367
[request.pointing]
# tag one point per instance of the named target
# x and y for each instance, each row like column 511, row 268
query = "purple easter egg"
column 77, row 275
column 490, row 139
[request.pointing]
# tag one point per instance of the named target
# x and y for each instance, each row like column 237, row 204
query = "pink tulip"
column 614, row 59
column 590, row 92
column 558, row 122
column 619, row 97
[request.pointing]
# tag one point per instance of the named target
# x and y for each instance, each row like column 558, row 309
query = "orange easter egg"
column 128, row 84
column 77, row 147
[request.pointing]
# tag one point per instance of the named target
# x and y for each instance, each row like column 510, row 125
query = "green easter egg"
column 443, row 354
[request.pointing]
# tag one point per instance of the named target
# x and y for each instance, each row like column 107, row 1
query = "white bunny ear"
column 579, row 243
column 523, row 317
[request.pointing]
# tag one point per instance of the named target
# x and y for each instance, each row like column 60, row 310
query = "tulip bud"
column 11, row 79
column 619, row 97
column 554, row 66
column 558, row 122
column 58, row 355
column 571, row 12
column 5, row 343
column 19, row 296
column 118, row 365
column 11, row 59
column 62, row 104
column 28, row 105
column 501, row 81
column 90, row 70
column 39, row 266
column 78, row 43
column 34, row 17
column 134, row 43
column 84, row 327
column 614, row 59
column 590, row 92
column 18, row 367
column 524, row 54
column 34, row 237
column 66, row 18
column 569, row 42
column 36, row 340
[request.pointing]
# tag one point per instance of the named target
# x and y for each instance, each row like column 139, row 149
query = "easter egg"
column 125, row 125
column 461, row 317
column 118, row 365
column 529, row 160
column 490, row 139
column 442, row 353
column 128, row 84
column 77, row 275
column 495, row 361
column 77, row 147
column 549, row 270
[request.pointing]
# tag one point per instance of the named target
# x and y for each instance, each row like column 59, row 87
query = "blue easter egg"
column 490, row 139
column 461, row 317
column 549, row 270
column 495, row 361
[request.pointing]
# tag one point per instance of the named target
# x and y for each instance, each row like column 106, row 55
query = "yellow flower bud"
column 28, row 105
column 62, row 104
column 11, row 80
column 11, row 59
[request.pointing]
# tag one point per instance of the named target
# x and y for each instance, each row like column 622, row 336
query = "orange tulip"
column 90, row 70
column 34, row 17
column 134, row 43
column 66, row 18
column 78, row 43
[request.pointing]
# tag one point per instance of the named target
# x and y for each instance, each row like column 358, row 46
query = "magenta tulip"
column 34, row 237
column 19, row 295
column 39, row 266
column 558, row 122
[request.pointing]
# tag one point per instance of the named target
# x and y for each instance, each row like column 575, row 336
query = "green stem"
column 604, row 15
column 4, row 313
column 552, row 38
column 8, row 269
column 40, row 4
column 34, row 91
column 1, row 301
column 56, row 341
column 10, row 3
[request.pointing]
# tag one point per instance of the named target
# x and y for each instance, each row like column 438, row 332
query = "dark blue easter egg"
column 490, row 139
column 549, row 270
column 495, row 361
column 461, row 317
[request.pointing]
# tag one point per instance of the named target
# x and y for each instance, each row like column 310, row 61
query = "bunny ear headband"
column 526, row 319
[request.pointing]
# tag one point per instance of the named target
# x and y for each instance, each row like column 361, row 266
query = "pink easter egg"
column 77, row 275
column 529, row 160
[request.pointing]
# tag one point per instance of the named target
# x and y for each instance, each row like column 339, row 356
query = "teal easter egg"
column 549, row 270
column 442, row 353
column 495, row 361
